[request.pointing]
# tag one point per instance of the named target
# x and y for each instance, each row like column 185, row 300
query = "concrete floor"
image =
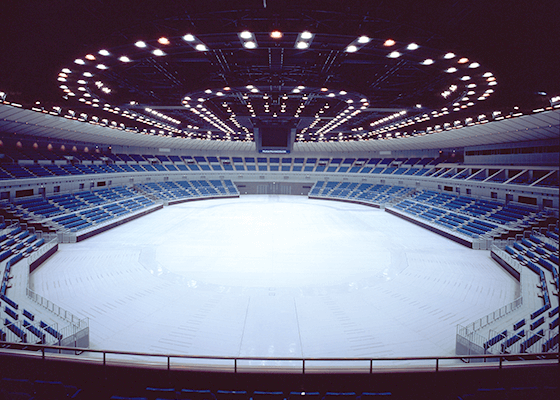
column 274, row 276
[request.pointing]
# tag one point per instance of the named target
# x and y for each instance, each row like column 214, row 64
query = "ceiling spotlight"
column 66, row 71
column 465, row 78
column 88, row 74
column 163, row 40
column 463, row 60
column 342, row 92
column 101, row 66
column 302, row 45
column 245, row 35
column 394, row 54
column 449, row 56
column 250, row 45
column 306, row 35
column 158, row 52
column 188, row 38
column 412, row 46
column 276, row 34
column 363, row 39
column 104, row 53
column 474, row 65
column 428, row 61
column 451, row 70
column 140, row 44
column 90, row 57
column 389, row 42
column 201, row 47
column 351, row 49
column 79, row 61
column 124, row 59
column 487, row 74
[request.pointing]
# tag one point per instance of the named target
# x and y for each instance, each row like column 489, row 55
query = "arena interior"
column 267, row 199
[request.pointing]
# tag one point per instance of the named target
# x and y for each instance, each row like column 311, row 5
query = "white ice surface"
column 274, row 276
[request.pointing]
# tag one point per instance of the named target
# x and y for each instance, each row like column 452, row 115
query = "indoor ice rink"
column 274, row 276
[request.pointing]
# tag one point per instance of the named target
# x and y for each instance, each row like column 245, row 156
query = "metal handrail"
column 490, row 361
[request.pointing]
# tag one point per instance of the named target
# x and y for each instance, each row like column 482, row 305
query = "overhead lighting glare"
column 451, row 70
column 188, row 38
column 201, row 47
column 250, row 45
column 302, row 45
column 463, row 60
column 101, row 66
column 79, row 61
column 163, row 40
column 465, row 78
column 246, row 35
column 306, row 35
column 104, row 53
column 88, row 74
column 449, row 56
column 474, row 65
column 412, row 46
column 428, row 61
column 90, row 57
column 124, row 59
column 276, row 34
column 351, row 49
column 158, row 52
column 487, row 74
column 389, row 43
column 394, row 54
column 363, row 39
column 140, row 44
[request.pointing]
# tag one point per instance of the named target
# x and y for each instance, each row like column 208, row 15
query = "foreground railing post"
column 371, row 366
column 303, row 366
column 104, row 358
column 235, row 365
column 168, row 363
column 501, row 362
column 437, row 364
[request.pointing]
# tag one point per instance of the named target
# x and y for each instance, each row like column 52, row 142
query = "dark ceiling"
column 517, row 41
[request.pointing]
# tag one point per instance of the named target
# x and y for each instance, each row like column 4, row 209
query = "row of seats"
column 364, row 192
column 466, row 225
column 188, row 189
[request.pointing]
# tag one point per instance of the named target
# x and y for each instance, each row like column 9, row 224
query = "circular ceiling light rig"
column 136, row 70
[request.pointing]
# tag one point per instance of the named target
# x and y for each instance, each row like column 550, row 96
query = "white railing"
column 493, row 316
column 57, row 310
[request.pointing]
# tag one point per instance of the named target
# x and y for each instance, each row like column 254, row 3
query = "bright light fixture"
column 363, row 39
column 140, row 44
column 487, row 74
column 428, row 61
column 163, row 40
column 276, row 34
column 389, row 42
column 463, row 60
column 188, row 38
column 66, row 71
column 124, row 59
column 412, row 46
column 250, row 45
column 352, row 48
column 101, row 66
column 246, row 35
column 474, row 65
column 449, row 56
column 302, row 45
column 306, row 35
column 451, row 70
column 104, row 53
column 88, row 74
column 465, row 78
column 79, row 61
column 90, row 57
column 201, row 47
column 158, row 52
column 394, row 54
